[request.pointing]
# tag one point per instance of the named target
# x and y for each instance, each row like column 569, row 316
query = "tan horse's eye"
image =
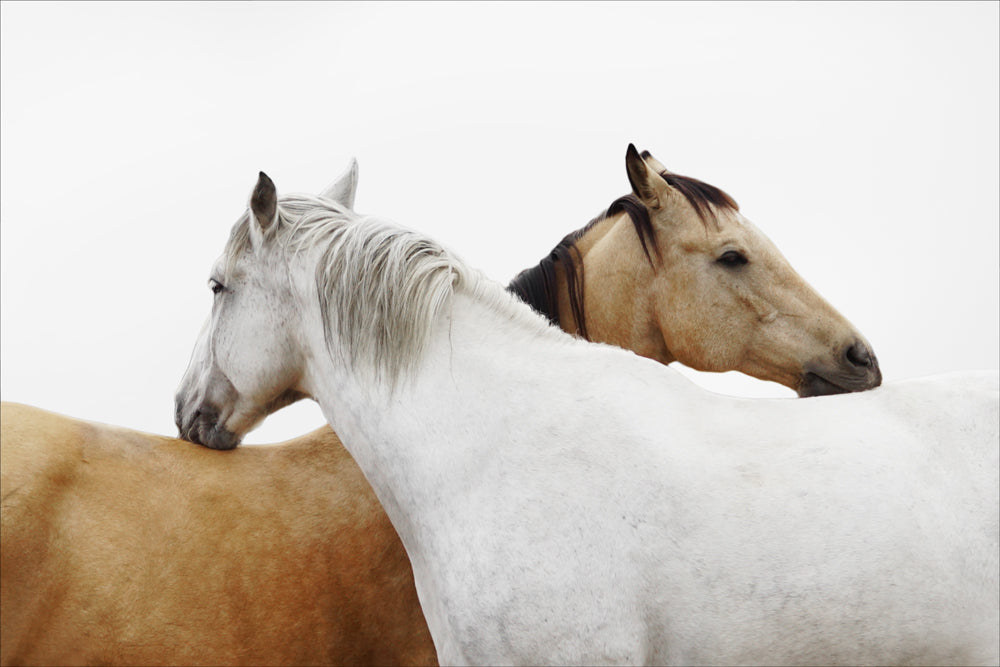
column 732, row 259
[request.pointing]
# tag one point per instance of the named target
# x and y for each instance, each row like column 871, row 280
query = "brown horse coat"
column 119, row 547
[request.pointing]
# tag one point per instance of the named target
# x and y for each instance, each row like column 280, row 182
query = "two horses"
column 120, row 547
column 568, row 502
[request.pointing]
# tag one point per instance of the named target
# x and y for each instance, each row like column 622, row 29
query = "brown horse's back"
column 119, row 547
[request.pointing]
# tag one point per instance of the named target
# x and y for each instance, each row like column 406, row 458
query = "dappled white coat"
column 565, row 502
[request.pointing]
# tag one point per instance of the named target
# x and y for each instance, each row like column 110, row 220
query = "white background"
column 861, row 137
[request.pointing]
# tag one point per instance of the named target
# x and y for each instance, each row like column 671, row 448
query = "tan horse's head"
column 674, row 271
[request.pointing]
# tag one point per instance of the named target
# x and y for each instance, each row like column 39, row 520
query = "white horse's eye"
column 215, row 286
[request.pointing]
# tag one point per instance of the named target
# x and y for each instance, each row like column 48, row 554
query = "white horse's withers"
column 566, row 502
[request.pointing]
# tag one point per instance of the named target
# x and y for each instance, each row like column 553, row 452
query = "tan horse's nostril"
column 859, row 355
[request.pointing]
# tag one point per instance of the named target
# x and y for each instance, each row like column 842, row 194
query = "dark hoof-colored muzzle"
column 204, row 428
column 857, row 370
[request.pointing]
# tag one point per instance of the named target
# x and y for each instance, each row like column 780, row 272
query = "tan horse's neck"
column 622, row 311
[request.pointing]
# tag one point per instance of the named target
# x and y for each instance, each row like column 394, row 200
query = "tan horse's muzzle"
column 855, row 369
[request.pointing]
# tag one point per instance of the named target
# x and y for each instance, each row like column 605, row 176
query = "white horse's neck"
column 474, row 349
column 435, row 447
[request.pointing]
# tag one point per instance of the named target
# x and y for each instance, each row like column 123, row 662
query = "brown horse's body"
column 122, row 548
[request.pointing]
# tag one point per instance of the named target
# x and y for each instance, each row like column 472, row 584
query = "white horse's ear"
column 264, row 204
column 647, row 184
column 344, row 188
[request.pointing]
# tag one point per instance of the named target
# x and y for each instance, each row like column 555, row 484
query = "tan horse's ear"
column 647, row 184
column 344, row 188
column 264, row 202
column 653, row 163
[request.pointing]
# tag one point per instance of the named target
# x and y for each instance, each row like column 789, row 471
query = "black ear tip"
column 264, row 200
column 633, row 157
column 264, row 188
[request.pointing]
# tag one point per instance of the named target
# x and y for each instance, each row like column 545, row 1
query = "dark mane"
column 536, row 286
column 701, row 195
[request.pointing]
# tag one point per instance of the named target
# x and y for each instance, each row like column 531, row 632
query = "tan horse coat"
column 119, row 547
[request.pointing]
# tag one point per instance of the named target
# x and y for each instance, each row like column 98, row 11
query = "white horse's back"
column 873, row 539
column 854, row 529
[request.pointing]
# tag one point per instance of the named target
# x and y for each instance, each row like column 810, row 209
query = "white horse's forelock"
column 381, row 286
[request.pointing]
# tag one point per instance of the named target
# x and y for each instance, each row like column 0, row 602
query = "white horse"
column 569, row 502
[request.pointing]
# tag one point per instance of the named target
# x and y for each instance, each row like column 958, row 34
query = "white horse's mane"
column 381, row 286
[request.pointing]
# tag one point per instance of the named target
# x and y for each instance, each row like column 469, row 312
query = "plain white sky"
column 861, row 137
